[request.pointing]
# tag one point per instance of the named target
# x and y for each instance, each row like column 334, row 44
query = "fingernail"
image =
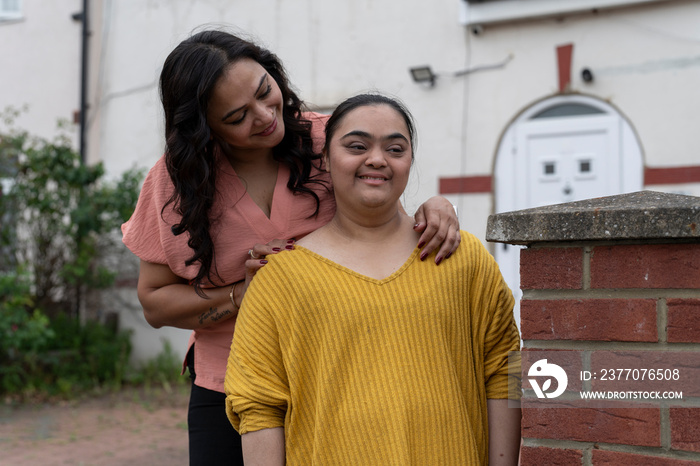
column 290, row 241
column 276, row 249
column 421, row 244
column 448, row 255
column 289, row 247
column 423, row 256
column 263, row 262
column 438, row 260
column 415, row 225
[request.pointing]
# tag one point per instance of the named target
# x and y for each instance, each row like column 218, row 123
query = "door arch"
column 562, row 149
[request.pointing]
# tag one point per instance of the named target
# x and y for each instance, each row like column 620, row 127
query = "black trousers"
column 213, row 440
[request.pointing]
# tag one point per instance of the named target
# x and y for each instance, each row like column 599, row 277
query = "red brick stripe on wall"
column 564, row 53
column 672, row 175
column 484, row 183
column 466, row 184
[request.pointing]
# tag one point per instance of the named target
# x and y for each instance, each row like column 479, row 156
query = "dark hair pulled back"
column 187, row 80
column 366, row 100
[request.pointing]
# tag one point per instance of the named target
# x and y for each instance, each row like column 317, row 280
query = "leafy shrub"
column 85, row 357
column 24, row 333
column 60, row 217
column 59, row 220
column 56, row 356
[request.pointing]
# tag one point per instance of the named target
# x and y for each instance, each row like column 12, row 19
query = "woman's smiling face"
column 369, row 157
column 245, row 109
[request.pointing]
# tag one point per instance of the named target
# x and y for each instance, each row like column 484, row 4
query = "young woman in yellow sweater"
column 364, row 354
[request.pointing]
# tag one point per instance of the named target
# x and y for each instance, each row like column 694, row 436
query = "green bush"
column 61, row 217
column 85, row 357
column 59, row 223
column 25, row 333
column 56, row 356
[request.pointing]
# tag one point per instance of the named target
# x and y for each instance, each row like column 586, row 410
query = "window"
column 550, row 168
column 586, row 167
column 568, row 109
column 10, row 9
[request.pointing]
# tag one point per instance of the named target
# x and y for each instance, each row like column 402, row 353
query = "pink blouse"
column 237, row 224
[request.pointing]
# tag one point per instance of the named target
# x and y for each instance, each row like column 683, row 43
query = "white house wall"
column 40, row 68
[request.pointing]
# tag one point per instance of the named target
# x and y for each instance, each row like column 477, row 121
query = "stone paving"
column 134, row 427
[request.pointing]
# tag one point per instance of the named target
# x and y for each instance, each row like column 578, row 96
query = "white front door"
column 567, row 159
column 555, row 152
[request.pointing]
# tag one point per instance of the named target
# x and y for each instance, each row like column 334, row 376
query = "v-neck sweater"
column 237, row 224
column 365, row 371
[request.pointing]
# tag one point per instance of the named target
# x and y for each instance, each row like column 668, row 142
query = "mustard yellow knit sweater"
column 361, row 371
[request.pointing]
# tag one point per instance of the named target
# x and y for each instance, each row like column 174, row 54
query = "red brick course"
column 627, row 426
column 683, row 320
column 646, row 266
column 537, row 456
column 551, row 268
column 685, row 429
column 589, row 319
column 615, row 458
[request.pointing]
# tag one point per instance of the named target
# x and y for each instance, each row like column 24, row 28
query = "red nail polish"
column 421, row 244
column 423, row 256
column 263, row 262
column 290, row 247
column 438, row 260
column 290, row 241
column 276, row 249
column 448, row 255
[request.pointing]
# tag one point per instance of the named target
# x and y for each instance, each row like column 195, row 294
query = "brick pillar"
column 620, row 273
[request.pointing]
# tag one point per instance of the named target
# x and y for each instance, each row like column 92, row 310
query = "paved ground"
column 133, row 427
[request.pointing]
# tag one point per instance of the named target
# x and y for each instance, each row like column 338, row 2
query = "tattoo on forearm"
column 213, row 315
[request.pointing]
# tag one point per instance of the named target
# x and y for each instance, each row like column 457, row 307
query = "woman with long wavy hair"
column 241, row 178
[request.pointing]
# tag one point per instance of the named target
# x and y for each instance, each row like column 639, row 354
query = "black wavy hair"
column 187, row 81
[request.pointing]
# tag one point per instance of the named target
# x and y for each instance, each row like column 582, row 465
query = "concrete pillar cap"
column 641, row 215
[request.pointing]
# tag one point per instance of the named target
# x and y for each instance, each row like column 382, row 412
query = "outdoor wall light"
column 423, row 74
column 587, row 75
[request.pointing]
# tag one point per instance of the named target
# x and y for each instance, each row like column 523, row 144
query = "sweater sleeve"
column 256, row 383
column 501, row 336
